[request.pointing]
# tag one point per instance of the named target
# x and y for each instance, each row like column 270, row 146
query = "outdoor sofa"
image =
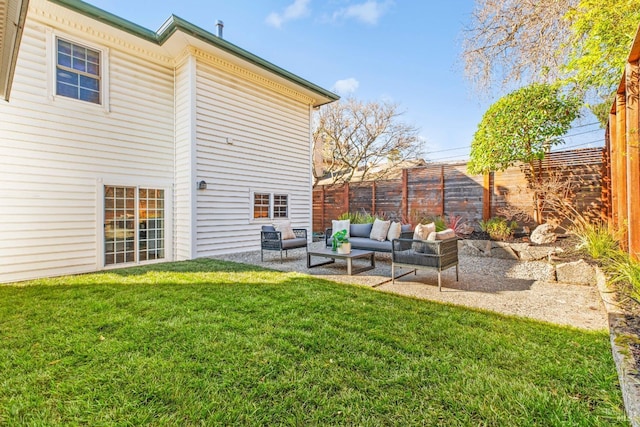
column 359, row 237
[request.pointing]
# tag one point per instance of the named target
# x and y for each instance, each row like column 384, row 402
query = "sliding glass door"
column 134, row 224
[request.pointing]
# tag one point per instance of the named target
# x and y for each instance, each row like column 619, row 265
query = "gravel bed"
column 506, row 286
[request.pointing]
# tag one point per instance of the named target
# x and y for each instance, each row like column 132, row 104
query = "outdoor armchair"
column 271, row 240
column 424, row 254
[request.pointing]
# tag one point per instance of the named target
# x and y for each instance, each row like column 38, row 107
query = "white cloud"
column 296, row 10
column 345, row 86
column 368, row 12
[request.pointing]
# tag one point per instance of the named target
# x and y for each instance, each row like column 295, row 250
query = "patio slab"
column 505, row 286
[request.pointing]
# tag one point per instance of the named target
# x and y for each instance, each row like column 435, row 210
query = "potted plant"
column 340, row 242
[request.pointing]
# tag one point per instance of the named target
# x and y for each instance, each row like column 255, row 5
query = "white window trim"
column 52, row 62
column 168, row 232
column 271, row 193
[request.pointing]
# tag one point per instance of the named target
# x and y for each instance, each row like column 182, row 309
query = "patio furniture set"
column 422, row 248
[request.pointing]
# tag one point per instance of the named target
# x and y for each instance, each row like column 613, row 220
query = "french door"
column 134, row 224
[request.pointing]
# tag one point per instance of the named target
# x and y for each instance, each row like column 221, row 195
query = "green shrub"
column 440, row 222
column 357, row 217
column 625, row 272
column 597, row 241
column 498, row 228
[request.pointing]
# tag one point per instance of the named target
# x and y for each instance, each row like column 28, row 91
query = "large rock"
column 502, row 250
column 543, row 234
column 577, row 272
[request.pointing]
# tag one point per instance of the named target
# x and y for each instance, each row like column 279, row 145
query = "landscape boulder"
column 577, row 272
column 543, row 234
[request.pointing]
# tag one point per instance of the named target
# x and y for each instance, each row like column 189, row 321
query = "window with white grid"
column 261, row 205
column 134, row 224
column 280, row 206
column 270, row 205
column 78, row 71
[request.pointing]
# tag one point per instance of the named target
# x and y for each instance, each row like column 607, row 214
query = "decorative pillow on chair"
column 422, row 232
column 442, row 235
column 394, row 231
column 337, row 225
column 379, row 230
column 286, row 230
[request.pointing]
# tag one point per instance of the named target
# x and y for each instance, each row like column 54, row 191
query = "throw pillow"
column 379, row 230
column 445, row 234
column 337, row 225
column 422, row 232
column 286, row 230
column 360, row 230
column 394, row 231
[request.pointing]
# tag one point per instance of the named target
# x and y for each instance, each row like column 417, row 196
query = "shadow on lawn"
column 200, row 265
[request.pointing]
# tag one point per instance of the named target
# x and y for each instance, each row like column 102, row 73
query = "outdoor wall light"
column 202, row 185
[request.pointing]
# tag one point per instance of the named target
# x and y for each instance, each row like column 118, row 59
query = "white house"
column 120, row 145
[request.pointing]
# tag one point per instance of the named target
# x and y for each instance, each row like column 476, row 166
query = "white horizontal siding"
column 269, row 152
column 57, row 153
column 184, row 181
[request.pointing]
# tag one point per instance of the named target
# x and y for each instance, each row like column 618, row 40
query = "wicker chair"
column 424, row 254
column 271, row 240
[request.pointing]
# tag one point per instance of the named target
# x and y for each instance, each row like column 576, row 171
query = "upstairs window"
column 77, row 71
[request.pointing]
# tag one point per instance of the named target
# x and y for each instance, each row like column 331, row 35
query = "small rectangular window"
column 77, row 72
column 280, row 206
column 261, row 205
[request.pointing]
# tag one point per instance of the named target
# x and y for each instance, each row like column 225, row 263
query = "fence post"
column 442, row 209
column 405, row 196
column 621, row 165
column 605, row 173
column 322, row 211
column 632, row 159
column 346, row 197
column 486, row 196
column 373, row 198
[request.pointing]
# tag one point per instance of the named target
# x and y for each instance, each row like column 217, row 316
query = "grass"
column 213, row 343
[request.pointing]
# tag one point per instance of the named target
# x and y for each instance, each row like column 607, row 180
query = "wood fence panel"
column 424, row 193
column 436, row 190
column 361, row 198
column 463, row 194
column 511, row 194
column 389, row 199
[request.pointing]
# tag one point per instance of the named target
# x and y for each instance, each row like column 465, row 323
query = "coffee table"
column 355, row 253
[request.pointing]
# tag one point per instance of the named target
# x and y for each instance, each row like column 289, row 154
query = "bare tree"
column 356, row 138
column 514, row 42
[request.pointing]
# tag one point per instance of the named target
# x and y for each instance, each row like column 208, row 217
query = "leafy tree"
column 601, row 36
column 357, row 137
column 520, row 127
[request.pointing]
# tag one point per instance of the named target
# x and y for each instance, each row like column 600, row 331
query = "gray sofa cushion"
column 268, row 228
column 370, row 244
column 360, row 230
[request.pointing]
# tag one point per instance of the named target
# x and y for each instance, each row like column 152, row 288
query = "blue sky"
column 405, row 52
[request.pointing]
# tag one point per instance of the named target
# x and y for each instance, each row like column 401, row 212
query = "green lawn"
column 214, row 343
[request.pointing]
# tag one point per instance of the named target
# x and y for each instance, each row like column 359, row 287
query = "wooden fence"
column 447, row 190
column 622, row 183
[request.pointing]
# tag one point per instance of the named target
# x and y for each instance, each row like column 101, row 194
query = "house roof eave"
column 10, row 36
column 175, row 23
